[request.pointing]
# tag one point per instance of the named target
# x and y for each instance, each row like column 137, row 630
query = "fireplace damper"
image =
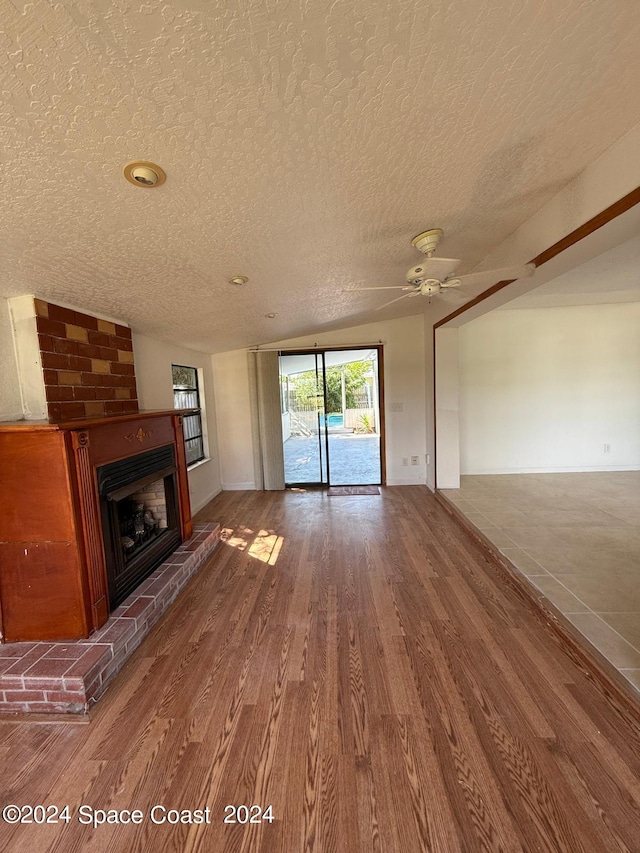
column 139, row 509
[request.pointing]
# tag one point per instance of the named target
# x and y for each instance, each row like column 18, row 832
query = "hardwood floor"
column 357, row 664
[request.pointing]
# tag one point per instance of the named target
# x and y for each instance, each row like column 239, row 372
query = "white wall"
column 10, row 399
column 405, row 405
column 447, row 409
column 614, row 174
column 153, row 360
column 233, row 407
column 545, row 389
column 429, row 394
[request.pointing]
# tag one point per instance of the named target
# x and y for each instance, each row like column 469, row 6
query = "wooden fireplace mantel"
column 53, row 580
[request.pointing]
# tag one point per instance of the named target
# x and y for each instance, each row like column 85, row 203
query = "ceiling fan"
column 435, row 276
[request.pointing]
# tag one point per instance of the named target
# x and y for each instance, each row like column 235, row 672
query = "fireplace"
column 89, row 509
column 139, row 514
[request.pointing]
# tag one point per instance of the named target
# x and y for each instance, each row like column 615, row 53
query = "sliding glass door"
column 303, row 419
column 331, row 425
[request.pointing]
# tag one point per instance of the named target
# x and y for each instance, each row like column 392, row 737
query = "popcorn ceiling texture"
column 304, row 145
column 87, row 364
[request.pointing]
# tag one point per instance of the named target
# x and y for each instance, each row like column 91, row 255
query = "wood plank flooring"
column 358, row 665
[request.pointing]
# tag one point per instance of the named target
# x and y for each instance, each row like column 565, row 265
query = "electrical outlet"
column 405, row 460
column 415, row 460
column 607, row 448
column 428, row 459
column 396, row 407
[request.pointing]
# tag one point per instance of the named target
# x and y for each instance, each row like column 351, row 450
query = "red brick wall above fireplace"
column 87, row 364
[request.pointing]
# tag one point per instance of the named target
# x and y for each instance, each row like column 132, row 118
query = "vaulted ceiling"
column 305, row 144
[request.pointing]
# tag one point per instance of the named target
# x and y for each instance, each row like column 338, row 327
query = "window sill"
column 198, row 464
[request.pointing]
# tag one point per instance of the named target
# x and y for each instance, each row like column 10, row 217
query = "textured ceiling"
column 305, row 143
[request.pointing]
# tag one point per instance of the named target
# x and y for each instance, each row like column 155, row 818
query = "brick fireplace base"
column 68, row 678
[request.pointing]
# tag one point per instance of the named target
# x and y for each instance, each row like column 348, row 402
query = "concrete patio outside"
column 354, row 459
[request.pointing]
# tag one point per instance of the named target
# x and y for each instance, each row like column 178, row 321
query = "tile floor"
column 576, row 537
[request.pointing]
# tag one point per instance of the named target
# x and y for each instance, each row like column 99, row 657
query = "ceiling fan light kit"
column 430, row 286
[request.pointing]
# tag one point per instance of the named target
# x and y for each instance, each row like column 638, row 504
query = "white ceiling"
column 304, row 145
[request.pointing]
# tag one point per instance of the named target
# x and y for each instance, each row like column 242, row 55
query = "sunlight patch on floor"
column 240, row 540
column 265, row 546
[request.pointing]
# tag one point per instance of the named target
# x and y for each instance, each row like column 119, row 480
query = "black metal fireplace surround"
column 138, row 534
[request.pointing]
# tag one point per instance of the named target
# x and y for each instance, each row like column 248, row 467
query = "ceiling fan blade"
column 439, row 268
column 454, row 296
column 380, row 307
column 383, row 287
column 494, row 276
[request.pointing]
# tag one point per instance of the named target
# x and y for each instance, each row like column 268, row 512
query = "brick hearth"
column 68, row 678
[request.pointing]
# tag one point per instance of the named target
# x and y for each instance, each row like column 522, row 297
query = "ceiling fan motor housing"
column 418, row 277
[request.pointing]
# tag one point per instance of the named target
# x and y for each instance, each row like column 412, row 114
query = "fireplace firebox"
column 139, row 513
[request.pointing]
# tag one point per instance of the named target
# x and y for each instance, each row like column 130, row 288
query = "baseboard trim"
column 571, row 470
column 239, row 487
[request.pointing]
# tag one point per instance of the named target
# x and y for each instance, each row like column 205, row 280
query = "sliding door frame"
column 381, row 408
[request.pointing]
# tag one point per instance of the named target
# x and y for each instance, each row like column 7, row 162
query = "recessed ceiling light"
column 271, row 315
column 238, row 279
column 142, row 173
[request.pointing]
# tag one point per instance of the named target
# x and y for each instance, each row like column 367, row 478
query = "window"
column 186, row 395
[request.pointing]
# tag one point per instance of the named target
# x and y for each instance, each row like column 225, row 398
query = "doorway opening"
column 332, row 428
